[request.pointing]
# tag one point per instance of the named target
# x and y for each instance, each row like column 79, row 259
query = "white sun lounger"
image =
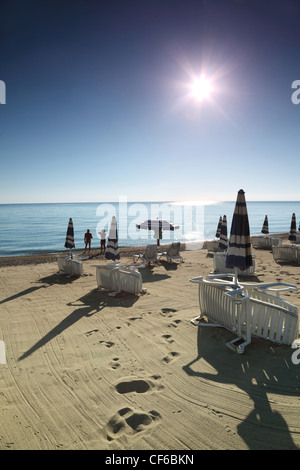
column 220, row 265
column 117, row 277
column 286, row 253
column 149, row 256
column 172, row 253
column 247, row 310
column 265, row 243
column 70, row 266
column 212, row 246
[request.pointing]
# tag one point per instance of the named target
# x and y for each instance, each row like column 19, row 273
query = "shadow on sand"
column 150, row 275
column 88, row 305
column 46, row 282
column 263, row 369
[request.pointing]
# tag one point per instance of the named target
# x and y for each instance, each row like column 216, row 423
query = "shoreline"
column 36, row 258
column 52, row 257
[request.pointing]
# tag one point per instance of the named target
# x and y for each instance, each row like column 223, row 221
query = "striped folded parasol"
column 265, row 227
column 218, row 232
column 70, row 243
column 112, row 250
column 223, row 243
column 239, row 250
column 292, row 235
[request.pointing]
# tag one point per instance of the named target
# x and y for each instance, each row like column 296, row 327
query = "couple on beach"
column 88, row 241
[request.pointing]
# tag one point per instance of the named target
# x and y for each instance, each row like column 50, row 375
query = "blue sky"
column 98, row 106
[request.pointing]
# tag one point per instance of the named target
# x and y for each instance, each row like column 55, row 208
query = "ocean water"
column 41, row 228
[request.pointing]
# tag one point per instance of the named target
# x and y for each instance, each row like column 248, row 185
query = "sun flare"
column 201, row 88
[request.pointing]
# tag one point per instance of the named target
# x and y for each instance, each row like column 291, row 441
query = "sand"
column 88, row 371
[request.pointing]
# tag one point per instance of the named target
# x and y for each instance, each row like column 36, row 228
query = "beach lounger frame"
column 247, row 310
column 172, row 253
column 70, row 266
column 286, row 253
column 150, row 255
column 212, row 246
column 265, row 243
column 116, row 277
column 220, row 266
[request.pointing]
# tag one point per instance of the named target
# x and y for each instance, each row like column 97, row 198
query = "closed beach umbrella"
column 292, row 235
column 265, row 227
column 218, row 232
column 112, row 250
column 223, row 243
column 239, row 250
column 70, row 243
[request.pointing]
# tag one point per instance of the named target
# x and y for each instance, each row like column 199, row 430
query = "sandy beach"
column 85, row 370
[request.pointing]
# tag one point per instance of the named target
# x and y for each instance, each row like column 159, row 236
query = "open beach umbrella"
column 70, row 243
column 239, row 250
column 265, row 227
column 112, row 250
column 223, row 243
column 157, row 225
column 218, row 232
column 292, row 235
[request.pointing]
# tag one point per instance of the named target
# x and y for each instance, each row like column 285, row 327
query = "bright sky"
column 99, row 100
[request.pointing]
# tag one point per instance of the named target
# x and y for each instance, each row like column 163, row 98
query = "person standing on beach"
column 87, row 240
column 103, row 239
column 160, row 232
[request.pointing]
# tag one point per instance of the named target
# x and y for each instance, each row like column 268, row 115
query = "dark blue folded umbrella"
column 218, row 232
column 265, row 227
column 239, row 250
column 112, row 250
column 292, row 235
column 70, row 243
column 223, row 243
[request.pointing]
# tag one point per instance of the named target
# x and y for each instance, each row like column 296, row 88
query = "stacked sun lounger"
column 70, row 266
column 286, row 254
column 117, row 277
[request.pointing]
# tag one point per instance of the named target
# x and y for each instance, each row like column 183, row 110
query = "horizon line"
column 188, row 201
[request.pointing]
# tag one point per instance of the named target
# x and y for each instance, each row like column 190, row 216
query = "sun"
column 201, row 88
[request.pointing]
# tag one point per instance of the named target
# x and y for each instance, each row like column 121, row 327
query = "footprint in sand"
column 166, row 311
column 89, row 333
column 168, row 338
column 170, row 357
column 139, row 385
column 175, row 323
column 130, row 422
column 115, row 364
column 108, row 344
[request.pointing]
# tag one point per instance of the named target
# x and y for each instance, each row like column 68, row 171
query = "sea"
column 27, row 229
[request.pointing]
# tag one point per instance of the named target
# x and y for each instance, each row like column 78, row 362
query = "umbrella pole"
column 236, row 275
